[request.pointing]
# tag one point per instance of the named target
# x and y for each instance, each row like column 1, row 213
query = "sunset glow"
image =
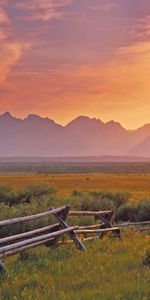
column 65, row 58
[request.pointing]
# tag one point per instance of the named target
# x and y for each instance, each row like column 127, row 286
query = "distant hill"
column 83, row 137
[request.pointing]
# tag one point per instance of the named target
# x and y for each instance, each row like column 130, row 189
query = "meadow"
column 111, row 269
column 136, row 184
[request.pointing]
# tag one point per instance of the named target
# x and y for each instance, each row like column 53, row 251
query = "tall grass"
column 111, row 269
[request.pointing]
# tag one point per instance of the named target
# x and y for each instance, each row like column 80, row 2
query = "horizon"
column 63, row 59
column 65, row 124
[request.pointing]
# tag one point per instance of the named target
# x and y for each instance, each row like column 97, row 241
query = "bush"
column 146, row 258
column 76, row 193
column 103, row 200
column 134, row 213
column 12, row 197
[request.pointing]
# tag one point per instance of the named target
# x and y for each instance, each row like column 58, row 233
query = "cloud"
column 104, row 7
column 3, row 17
column 123, row 79
column 118, row 89
column 43, row 4
column 10, row 51
column 143, row 27
column 4, row 22
column 4, row 91
column 44, row 10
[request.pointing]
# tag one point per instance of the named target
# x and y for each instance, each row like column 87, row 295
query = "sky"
column 65, row 58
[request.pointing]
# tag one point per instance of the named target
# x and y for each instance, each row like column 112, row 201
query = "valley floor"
column 136, row 184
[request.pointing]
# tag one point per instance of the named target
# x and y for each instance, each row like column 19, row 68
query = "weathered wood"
column 92, row 238
column 133, row 224
column 91, row 213
column 36, row 239
column 91, row 226
column 63, row 214
column 31, row 217
column 82, row 231
column 2, row 268
column 25, row 248
column 29, row 233
column 72, row 233
column 108, row 224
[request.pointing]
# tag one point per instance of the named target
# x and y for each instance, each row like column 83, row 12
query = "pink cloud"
column 4, row 22
column 44, row 10
column 10, row 51
column 105, row 7
column 3, row 17
column 143, row 27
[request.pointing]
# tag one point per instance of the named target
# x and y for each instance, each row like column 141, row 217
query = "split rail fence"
column 50, row 235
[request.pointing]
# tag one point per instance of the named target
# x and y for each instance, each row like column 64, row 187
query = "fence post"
column 107, row 224
column 2, row 268
column 64, row 224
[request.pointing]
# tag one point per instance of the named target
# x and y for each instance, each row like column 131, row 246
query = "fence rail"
column 50, row 234
column 92, row 213
column 31, row 217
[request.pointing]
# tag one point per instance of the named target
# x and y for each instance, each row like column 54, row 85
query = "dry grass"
column 136, row 184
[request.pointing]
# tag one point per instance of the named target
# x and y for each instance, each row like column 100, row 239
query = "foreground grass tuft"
column 111, row 269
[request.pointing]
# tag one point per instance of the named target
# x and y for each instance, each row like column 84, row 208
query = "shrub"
column 146, row 258
column 76, row 193
column 12, row 197
column 135, row 213
column 103, row 200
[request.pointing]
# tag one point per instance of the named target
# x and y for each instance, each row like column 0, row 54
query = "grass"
column 111, row 269
column 136, row 184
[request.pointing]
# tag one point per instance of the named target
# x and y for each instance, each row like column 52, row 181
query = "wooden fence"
column 50, row 235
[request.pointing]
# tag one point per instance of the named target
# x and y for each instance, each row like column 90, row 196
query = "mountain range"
column 37, row 136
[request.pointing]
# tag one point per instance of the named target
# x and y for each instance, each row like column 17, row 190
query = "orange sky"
column 66, row 58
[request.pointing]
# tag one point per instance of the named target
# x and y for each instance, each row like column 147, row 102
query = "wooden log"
column 82, row 231
column 133, row 224
column 36, row 239
column 108, row 224
column 91, row 226
column 2, row 268
column 92, row 238
column 25, row 248
column 91, row 213
column 31, row 217
column 63, row 214
column 72, row 233
column 29, row 233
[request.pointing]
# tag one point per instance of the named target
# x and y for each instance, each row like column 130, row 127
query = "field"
column 111, row 269
column 136, row 184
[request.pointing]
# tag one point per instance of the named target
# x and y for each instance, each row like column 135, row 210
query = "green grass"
column 111, row 269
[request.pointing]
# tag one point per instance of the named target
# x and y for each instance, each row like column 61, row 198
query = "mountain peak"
column 41, row 121
column 83, row 136
column 6, row 115
column 84, row 120
column 33, row 117
column 37, row 118
column 114, row 125
column 112, row 122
